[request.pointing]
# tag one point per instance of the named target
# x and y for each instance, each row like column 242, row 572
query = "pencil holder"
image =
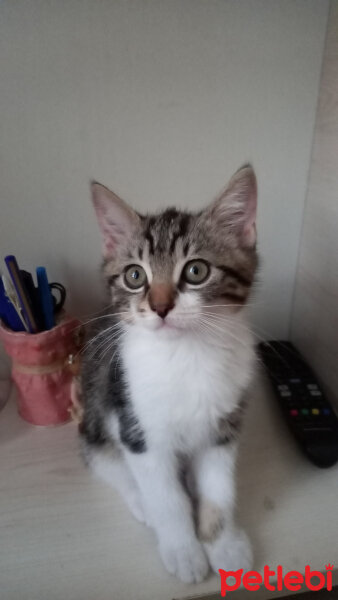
column 43, row 368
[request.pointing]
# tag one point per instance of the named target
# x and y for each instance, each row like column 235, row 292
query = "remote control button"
column 305, row 412
column 315, row 411
column 315, row 393
column 326, row 411
column 312, row 386
column 294, row 412
column 295, row 380
column 283, row 388
column 285, row 394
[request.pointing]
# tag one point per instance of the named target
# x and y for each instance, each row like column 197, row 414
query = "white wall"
column 315, row 311
column 161, row 100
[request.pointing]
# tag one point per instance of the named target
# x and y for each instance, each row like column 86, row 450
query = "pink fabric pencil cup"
column 43, row 371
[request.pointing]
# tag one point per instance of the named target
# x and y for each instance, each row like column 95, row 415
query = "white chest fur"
column 180, row 385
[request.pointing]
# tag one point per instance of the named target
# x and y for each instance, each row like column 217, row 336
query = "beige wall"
column 314, row 325
column 161, row 100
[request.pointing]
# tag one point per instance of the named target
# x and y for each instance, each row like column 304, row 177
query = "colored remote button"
column 294, row 412
column 315, row 411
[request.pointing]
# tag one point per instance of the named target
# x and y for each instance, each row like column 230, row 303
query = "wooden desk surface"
column 66, row 536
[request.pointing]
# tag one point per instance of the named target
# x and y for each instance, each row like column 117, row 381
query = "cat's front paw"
column 230, row 551
column 185, row 559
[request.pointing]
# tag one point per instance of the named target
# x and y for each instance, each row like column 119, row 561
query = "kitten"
column 165, row 372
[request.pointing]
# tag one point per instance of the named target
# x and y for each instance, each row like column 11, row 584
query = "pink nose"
column 162, row 309
column 161, row 299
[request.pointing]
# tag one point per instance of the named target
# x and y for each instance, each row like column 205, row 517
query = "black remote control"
column 308, row 413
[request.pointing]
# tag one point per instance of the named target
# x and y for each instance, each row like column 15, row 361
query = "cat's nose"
column 161, row 299
column 162, row 309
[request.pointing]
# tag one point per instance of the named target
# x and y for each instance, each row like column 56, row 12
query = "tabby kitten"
column 166, row 369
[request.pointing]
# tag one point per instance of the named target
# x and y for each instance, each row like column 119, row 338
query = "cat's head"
column 175, row 269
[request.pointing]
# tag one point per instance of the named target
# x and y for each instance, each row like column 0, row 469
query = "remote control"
column 307, row 411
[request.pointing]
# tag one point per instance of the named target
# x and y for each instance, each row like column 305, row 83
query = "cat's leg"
column 108, row 463
column 226, row 545
column 169, row 512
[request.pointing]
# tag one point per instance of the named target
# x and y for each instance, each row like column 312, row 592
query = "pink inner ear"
column 235, row 208
column 110, row 234
column 249, row 232
column 109, row 231
column 242, row 191
column 249, row 235
column 116, row 219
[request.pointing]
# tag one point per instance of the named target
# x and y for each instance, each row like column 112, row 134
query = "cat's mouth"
column 169, row 325
column 172, row 322
column 179, row 325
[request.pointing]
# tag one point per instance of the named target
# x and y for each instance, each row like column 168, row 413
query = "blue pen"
column 45, row 297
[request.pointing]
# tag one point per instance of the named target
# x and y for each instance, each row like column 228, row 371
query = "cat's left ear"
column 236, row 207
column 117, row 220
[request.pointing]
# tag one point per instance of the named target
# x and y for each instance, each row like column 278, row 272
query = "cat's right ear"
column 116, row 219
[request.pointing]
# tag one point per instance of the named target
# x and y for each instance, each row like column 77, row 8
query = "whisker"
column 229, row 321
column 105, row 316
column 115, row 342
column 251, row 329
column 221, row 333
column 227, row 318
column 238, row 305
column 99, row 310
column 98, row 351
column 104, row 332
column 83, row 324
column 215, row 335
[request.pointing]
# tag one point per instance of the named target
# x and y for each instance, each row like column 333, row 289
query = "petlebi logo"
column 290, row 580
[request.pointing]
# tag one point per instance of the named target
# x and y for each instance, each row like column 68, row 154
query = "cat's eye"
column 196, row 271
column 135, row 277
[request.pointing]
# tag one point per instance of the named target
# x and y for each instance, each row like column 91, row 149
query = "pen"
column 45, row 297
column 11, row 309
column 21, row 292
column 34, row 299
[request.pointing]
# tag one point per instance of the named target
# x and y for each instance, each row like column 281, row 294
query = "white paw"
column 186, row 560
column 231, row 551
column 134, row 503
